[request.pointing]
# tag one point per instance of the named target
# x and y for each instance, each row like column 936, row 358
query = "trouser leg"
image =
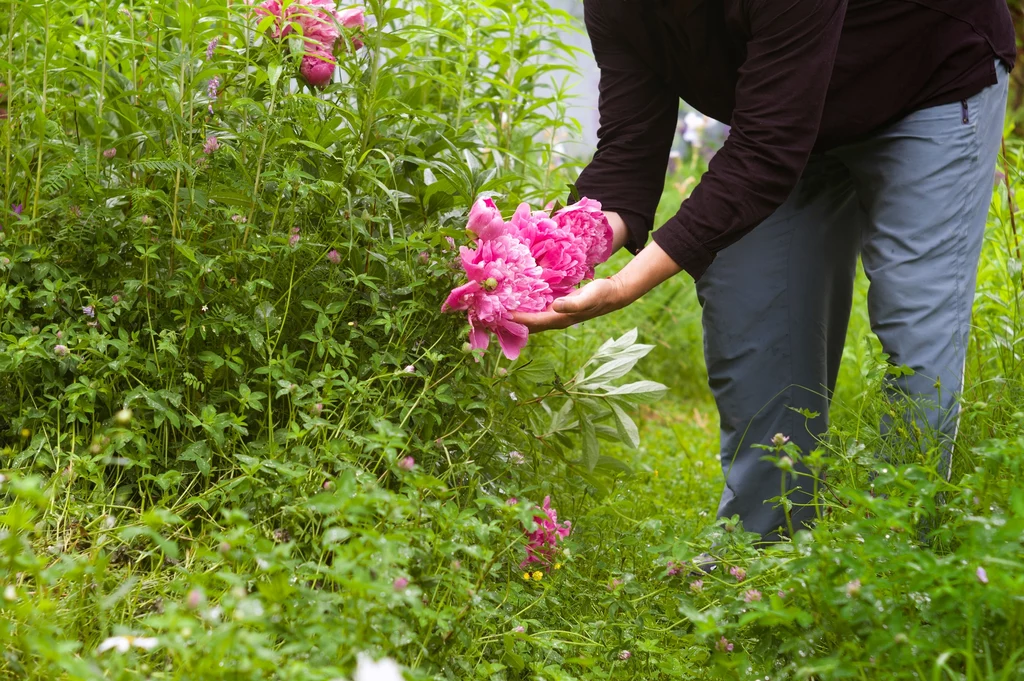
column 775, row 311
column 926, row 186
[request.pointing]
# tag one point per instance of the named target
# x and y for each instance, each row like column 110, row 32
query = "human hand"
column 597, row 298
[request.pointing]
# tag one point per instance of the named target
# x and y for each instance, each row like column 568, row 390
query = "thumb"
column 574, row 302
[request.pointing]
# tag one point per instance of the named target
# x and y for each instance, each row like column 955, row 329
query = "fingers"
column 543, row 321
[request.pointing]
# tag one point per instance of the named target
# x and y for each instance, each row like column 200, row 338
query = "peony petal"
column 479, row 338
column 512, row 337
column 457, row 298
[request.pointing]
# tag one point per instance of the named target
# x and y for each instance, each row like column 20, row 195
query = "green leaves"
column 591, row 399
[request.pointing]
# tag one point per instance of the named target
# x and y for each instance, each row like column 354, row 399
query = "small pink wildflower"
column 697, row 585
column 333, row 256
column 212, row 145
column 723, row 645
column 625, row 655
column 211, row 47
column 511, row 501
column 614, row 584
column 516, row 458
column 852, row 588
column 981, row 575
column 194, row 599
column 409, row 369
column 520, row 629
column 146, row 221
column 110, row 153
column 294, row 238
column 542, row 542
column 752, row 596
column 89, row 311
column 407, row 464
column 17, row 208
column 213, row 87
column 674, row 568
column 738, row 573
column 424, row 258
column 115, row 299
column 779, row 439
column 782, row 594
column 400, row 583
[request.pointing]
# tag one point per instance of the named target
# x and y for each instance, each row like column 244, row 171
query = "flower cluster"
column 319, row 23
column 542, row 542
column 524, row 264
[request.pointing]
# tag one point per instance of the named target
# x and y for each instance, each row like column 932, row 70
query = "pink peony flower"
column 561, row 255
column 589, row 224
column 542, row 542
column 503, row 278
column 353, row 19
column 317, row 68
column 485, row 220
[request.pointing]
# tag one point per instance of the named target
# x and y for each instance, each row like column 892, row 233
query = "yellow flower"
column 558, row 566
column 655, row 473
column 25, row 432
column 538, row 575
column 526, row 576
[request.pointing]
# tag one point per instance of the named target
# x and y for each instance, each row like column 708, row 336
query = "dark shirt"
column 792, row 77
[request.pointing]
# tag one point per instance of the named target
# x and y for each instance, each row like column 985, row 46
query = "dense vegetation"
column 235, row 425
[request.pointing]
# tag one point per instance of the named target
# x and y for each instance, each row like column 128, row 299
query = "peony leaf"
column 628, row 432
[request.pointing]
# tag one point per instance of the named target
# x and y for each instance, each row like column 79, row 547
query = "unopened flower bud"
column 123, row 417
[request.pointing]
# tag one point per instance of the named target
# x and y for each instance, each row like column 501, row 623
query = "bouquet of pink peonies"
column 525, row 264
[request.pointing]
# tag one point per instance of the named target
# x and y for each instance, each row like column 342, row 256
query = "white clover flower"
column 384, row 670
column 695, row 125
column 123, row 643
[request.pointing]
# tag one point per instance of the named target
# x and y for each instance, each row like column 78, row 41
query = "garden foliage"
column 240, row 440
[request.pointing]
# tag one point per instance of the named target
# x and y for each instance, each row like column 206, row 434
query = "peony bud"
column 485, row 220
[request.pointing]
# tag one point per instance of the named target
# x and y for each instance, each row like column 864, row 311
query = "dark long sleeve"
column 780, row 97
column 638, row 113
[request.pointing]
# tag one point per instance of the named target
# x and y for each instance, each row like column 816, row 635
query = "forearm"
column 649, row 268
column 619, row 230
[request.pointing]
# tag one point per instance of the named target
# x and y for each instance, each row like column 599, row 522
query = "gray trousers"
column 912, row 202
